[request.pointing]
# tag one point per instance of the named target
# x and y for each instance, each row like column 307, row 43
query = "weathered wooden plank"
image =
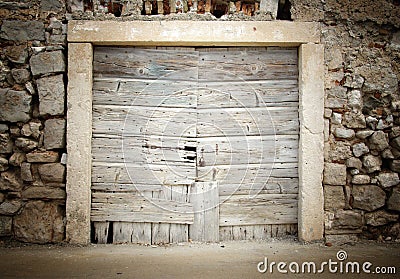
column 129, row 207
column 178, row 232
column 204, row 197
column 248, row 150
column 140, row 121
column 261, row 209
column 147, row 175
column 154, row 93
column 160, row 232
column 118, row 187
column 273, row 185
column 144, row 150
column 247, row 121
column 248, row 65
column 145, row 64
column 101, row 232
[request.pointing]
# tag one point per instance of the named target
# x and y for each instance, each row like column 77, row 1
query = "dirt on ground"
column 241, row 259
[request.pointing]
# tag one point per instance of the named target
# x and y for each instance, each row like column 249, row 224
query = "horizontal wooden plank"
column 273, row 185
column 247, row 121
column 145, row 63
column 145, row 150
column 248, row 94
column 260, row 210
column 247, row 150
column 155, row 93
column 129, row 207
column 248, row 65
column 257, row 232
column 153, row 175
column 128, row 121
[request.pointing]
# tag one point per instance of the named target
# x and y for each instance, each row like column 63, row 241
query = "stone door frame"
column 83, row 35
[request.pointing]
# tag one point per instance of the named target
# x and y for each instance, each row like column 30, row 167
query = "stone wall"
column 362, row 109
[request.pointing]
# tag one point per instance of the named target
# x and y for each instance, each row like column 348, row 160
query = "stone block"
column 17, row 54
column 10, row 207
column 3, row 128
column 360, row 149
column 46, row 193
column 3, row 164
column 40, row 222
column 378, row 141
column 17, row 159
column 334, row 197
column 368, row 197
column 20, row 76
column 51, row 5
column 361, row 179
column 341, row 239
column 15, row 105
column 6, row 144
column 32, row 129
column 25, row 144
column 355, row 99
column 395, row 165
column 5, row 225
column 364, row 134
column 347, row 219
column 54, row 172
column 10, row 181
column 47, row 63
column 354, row 120
column 394, row 199
column 339, row 151
column 54, row 133
column 42, row 157
column 372, row 163
column 380, row 218
column 388, row 179
column 51, row 95
column 26, row 172
column 18, row 30
column 354, row 163
column 344, row 133
column 335, row 174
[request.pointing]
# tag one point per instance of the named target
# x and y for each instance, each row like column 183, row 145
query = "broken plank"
column 101, row 230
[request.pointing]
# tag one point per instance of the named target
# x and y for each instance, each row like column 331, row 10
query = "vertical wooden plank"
column 122, row 232
column 159, row 231
column 205, row 199
column 225, row 233
column 101, row 232
column 178, row 232
column 141, row 233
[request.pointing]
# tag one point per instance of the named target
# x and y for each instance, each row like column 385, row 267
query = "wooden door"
column 194, row 144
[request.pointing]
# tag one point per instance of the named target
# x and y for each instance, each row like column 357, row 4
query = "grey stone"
column 380, row 218
column 327, row 113
column 336, row 118
column 26, row 144
column 361, row 179
column 347, row 219
column 368, row 197
column 51, row 95
column 387, row 154
column 341, row 239
column 364, row 134
column 395, row 132
column 395, row 165
column 334, row 174
column 40, row 222
column 15, row 131
column 20, row 75
column 354, row 163
column 17, row 159
column 54, row 133
column 388, row 179
column 32, row 129
column 354, row 120
column 5, row 225
column 54, row 172
column 6, row 144
column 360, row 149
column 10, row 207
column 371, row 122
column 26, row 172
column 3, row 164
column 333, row 103
column 354, row 99
column 339, row 151
column 354, row 171
column 15, row 105
column 10, row 181
column 3, row 128
column 372, row 163
column 42, row 157
column 395, row 143
column 64, row 158
column 16, row 30
column 17, row 54
column 378, row 141
column 344, row 133
column 354, row 81
column 30, row 88
column 51, row 5
column 394, row 199
column 47, row 193
column 337, row 92
column 47, row 62
column 334, row 197
column 57, row 39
